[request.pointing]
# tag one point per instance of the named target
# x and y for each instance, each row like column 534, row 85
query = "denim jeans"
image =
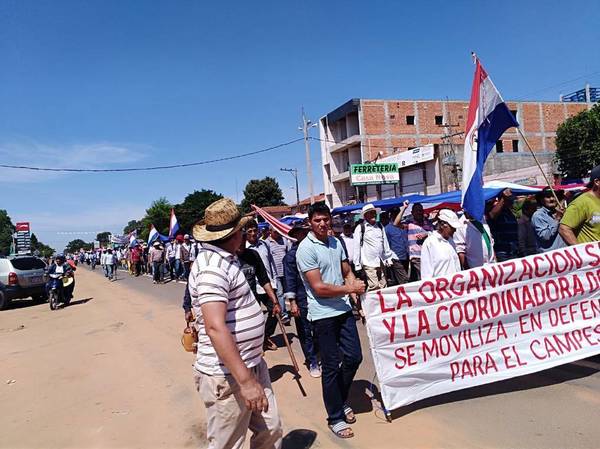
column 337, row 335
column 271, row 322
column 157, row 271
column 305, row 335
column 172, row 268
column 178, row 269
column 110, row 270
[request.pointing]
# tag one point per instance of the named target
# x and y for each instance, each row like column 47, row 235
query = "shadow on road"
column 299, row 439
column 276, row 372
column 361, row 394
column 22, row 303
column 79, row 301
column 278, row 339
column 545, row 378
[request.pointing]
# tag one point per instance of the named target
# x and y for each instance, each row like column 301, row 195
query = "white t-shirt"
column 438, row 257
column 469, row 241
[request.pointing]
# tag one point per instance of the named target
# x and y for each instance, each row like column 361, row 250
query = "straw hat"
column 221, row 219
column 367, row 208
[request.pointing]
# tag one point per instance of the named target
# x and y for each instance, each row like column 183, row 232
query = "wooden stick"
column 539, row 165
column 292, row 356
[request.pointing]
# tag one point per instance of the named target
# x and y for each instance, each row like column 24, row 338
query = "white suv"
column 23, row 277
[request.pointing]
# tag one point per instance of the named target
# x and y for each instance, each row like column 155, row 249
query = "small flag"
column 132, row 236
column 153, row 235
column 173, row 225
column 487, row 120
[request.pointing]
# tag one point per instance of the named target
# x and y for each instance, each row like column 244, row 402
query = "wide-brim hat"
column 221, row 219
column 367, row 208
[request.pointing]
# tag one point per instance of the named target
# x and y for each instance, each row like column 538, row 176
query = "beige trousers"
column 228, row 419
column 375, row 278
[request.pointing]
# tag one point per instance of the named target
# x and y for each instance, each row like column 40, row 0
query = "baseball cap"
column 594, row 174
column 449, row 217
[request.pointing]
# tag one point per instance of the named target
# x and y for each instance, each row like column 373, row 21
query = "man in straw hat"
column 231, row 375
column 371, row 248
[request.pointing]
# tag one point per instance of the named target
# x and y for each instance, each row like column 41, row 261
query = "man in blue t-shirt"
column 329, row 281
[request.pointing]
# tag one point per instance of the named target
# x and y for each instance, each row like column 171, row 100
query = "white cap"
column 368, row 207
column 449, row 217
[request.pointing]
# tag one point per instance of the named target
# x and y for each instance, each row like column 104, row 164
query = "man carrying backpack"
column 372, row 249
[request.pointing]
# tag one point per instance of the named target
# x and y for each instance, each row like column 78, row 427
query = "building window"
column 499, row 147
column 515, row 146
column 514, row 113
column 439, row 120
column 410, row 119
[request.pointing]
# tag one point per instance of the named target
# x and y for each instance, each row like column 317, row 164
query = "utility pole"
column 447, row 138
column 306, row 124
column 294, row 172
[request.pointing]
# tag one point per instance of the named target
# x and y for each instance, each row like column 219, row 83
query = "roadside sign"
column 364, row 174
column 22, row 238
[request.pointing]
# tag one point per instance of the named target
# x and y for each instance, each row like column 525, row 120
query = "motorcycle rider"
column 59, row 266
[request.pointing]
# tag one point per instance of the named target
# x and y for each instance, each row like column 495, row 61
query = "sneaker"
column 315, row 371
column 285, row 319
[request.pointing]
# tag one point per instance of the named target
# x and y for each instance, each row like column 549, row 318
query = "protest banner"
column 485, row 324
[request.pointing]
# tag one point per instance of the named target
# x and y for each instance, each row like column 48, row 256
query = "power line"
column 587, row 75
column 159, row 167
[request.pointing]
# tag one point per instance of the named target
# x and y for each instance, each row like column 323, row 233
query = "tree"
column 6, row 231
column 40, row 249
column 193, row 207
column 132, row 225
column 75, row 245
column 578, row 143
column 159, row 215
column 103, row 237
column 262, row 192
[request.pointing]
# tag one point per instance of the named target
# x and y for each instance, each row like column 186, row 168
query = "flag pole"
column 538, row 164
column 475, row 59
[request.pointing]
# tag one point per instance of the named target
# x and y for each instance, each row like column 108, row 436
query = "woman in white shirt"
column 438, row 254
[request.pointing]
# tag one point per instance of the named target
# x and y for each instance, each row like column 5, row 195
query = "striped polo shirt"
column 216, row 275
column 414, row 229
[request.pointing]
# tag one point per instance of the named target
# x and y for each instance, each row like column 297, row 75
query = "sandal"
column 341, row 430
column 350, row 418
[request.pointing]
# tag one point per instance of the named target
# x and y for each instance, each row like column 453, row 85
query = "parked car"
column 3, row 300
column 23, row 277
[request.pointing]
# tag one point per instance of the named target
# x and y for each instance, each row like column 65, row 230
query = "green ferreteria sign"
column 361, row 174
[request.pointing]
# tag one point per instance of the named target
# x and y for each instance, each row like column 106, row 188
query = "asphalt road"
column 109, row 371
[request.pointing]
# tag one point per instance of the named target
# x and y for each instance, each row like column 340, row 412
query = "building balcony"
column 346, row 143
column 344, row 176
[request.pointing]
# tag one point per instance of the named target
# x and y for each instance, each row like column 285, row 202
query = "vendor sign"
column 363, row 174
column 485, row 324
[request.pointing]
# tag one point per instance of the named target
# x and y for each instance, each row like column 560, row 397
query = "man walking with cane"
column 231, row 376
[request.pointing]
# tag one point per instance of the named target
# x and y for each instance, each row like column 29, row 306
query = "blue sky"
column 136, row 83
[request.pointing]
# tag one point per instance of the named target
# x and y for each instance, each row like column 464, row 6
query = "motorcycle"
column 56, row 291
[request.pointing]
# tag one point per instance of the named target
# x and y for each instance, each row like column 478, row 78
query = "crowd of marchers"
column 315, row 275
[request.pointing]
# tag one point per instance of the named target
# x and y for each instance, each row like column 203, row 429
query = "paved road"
column 109, row 371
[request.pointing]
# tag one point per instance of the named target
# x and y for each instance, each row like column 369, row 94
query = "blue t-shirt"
column 398, row 240
column 327, row 257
